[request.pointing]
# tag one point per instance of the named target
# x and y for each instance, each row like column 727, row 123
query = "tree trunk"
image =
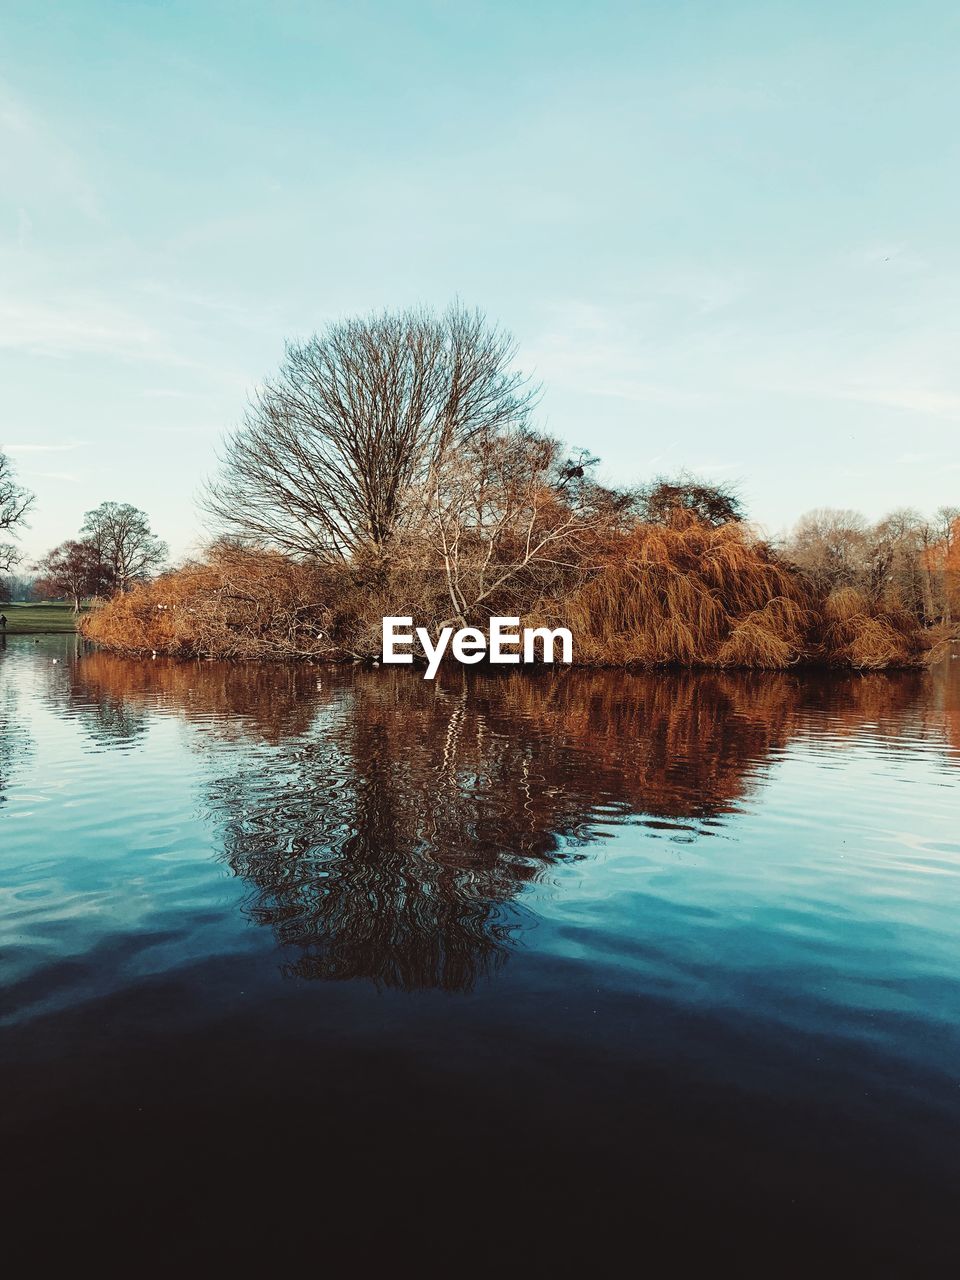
column 927, row 589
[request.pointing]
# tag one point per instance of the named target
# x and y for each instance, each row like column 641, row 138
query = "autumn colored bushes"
column 691, row 593
column 680, row 593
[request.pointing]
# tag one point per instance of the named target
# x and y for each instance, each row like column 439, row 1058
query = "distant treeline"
column 392, row 467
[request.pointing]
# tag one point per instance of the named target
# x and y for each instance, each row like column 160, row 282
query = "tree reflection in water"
column 113, row 707
column 15, row 741
column 386, row 826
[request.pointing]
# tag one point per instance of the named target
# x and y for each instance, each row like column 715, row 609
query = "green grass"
column 38, row 619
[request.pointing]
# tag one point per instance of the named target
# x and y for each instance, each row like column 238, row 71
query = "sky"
column 724, row 235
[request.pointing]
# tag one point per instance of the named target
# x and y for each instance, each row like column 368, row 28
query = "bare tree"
column 941, row 559
column 127, row 549
column 714, row 504
column 17, row 586
column 334, row 454
column 15, row 502
column 831, row 546
column 893, row 551
column 74, row 569
column 945, row 521
column 509, row 515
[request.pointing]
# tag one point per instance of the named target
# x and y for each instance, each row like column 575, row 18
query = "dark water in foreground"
column 344, row 965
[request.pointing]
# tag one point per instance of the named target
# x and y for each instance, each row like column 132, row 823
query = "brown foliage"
column 686, row 593
column 689, row 593
column 859, row 633
column 234, row 604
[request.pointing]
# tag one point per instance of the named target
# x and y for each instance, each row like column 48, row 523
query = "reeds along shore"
column 685, row 592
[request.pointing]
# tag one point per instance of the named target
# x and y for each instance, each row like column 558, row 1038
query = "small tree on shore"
column 73, row 570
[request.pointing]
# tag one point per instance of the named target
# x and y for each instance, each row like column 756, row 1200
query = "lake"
column 502, row 969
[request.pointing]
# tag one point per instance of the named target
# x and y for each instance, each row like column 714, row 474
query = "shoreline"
column 42, row 631
column 420, row 665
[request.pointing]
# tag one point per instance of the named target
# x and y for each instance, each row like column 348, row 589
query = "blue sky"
column 724, row 234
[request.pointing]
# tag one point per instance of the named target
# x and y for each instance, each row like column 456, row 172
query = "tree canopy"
column 127, row 548
column 336, row 451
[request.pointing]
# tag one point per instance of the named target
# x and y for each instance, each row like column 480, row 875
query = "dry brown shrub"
column 236, row 604
column 941, row 641
column 689, row 593
column 682, row 594
column 867, row 635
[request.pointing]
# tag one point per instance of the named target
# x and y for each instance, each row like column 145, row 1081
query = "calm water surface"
column 509, row 970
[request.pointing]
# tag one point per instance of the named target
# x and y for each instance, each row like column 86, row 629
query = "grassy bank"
column 39, row 619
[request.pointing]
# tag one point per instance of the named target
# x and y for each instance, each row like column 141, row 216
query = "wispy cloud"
column 89, row 325
column 606, row 352
column 888, row 386
column 72, row 326
column 911, row 398
column 42, row 448
column 186, row 430
column 67, row 476
column 39, row 165
column 910, row 459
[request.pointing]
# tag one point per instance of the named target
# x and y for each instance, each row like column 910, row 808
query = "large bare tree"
column 336, row 452
column 15, row 502
column 127, row 548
